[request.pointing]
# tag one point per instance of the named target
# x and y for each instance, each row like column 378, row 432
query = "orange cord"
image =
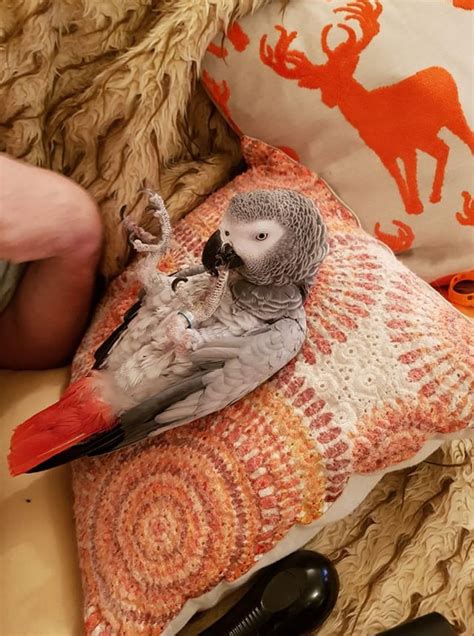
column 465, row 298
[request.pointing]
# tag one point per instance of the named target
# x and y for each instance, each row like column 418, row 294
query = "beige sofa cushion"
column 40, row 591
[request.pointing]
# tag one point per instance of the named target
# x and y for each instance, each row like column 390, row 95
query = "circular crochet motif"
column 168, row 519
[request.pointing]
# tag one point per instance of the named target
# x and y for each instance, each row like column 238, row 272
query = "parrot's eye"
column 227, row 233
column 262, row 236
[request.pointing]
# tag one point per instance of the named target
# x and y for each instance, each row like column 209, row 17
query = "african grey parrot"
column 195, row 341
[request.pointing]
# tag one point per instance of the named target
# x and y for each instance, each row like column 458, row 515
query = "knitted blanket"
column 404, row 552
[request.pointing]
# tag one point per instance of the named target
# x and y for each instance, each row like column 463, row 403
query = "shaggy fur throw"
column 106, row 92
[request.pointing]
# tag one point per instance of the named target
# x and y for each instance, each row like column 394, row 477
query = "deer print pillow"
column 376, row 97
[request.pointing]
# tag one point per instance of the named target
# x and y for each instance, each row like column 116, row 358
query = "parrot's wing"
column 102, row 352
column 244, row 364
column 225, row 371
column 161, row 294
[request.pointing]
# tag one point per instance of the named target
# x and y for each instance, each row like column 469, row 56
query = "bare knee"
column 53, row 224
column 43, row 214
column 81, row 233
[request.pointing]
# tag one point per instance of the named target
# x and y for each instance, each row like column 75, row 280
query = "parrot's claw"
column 139, row 238
column 157, row 205
column 122, row 211
column 177, row 281
column 187, row 342
column 137, row 231
column 141, row 247
column 184, row 338
column 142, row 240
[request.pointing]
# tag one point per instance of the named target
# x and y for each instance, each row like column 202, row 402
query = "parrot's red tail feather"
column 76, row 416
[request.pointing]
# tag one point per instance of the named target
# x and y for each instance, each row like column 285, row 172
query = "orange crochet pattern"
column 386, row 366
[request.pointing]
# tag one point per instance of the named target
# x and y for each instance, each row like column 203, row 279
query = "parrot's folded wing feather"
column 160, row 291
column 102, row 353
column 256, row 358
column 245, row 363
column 225, row 371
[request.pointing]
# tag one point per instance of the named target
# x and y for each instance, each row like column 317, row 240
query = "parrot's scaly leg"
column 182, row 328
column 212, row 301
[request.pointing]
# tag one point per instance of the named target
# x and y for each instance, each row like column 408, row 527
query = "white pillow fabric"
column 377, row 98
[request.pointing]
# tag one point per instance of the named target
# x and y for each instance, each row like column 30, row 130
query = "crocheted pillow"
column 377, row 98
column 166, row 527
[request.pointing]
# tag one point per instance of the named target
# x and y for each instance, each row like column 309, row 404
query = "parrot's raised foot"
column 157, row 205
column 141, row 239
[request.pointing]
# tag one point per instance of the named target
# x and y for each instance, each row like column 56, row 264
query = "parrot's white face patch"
column 251, row 241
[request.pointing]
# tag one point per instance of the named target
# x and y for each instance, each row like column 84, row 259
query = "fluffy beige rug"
column 106, row 91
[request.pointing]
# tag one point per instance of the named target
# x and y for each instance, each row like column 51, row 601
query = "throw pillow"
column 375, row 96
column 166, row 527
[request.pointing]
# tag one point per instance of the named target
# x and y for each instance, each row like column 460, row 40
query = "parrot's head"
column 271, row 237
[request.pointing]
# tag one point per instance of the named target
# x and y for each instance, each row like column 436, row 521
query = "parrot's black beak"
column 217, row 254
column 231, row 259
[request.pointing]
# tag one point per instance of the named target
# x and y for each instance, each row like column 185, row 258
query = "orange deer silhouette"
column 238, row 38
column 464, row 4
column 399, row 242
column 220, row 93
column 466, row 217
column 394, row 121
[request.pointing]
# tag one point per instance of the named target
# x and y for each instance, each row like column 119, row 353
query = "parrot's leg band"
column 188, row 316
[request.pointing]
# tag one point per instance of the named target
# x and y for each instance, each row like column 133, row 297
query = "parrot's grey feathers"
column 294, row 237
column 244, row 368
column 224, row 348
column 155, row 374
column 216, row 353
column 158, row 403
column 234, row 370
column 266, row 302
